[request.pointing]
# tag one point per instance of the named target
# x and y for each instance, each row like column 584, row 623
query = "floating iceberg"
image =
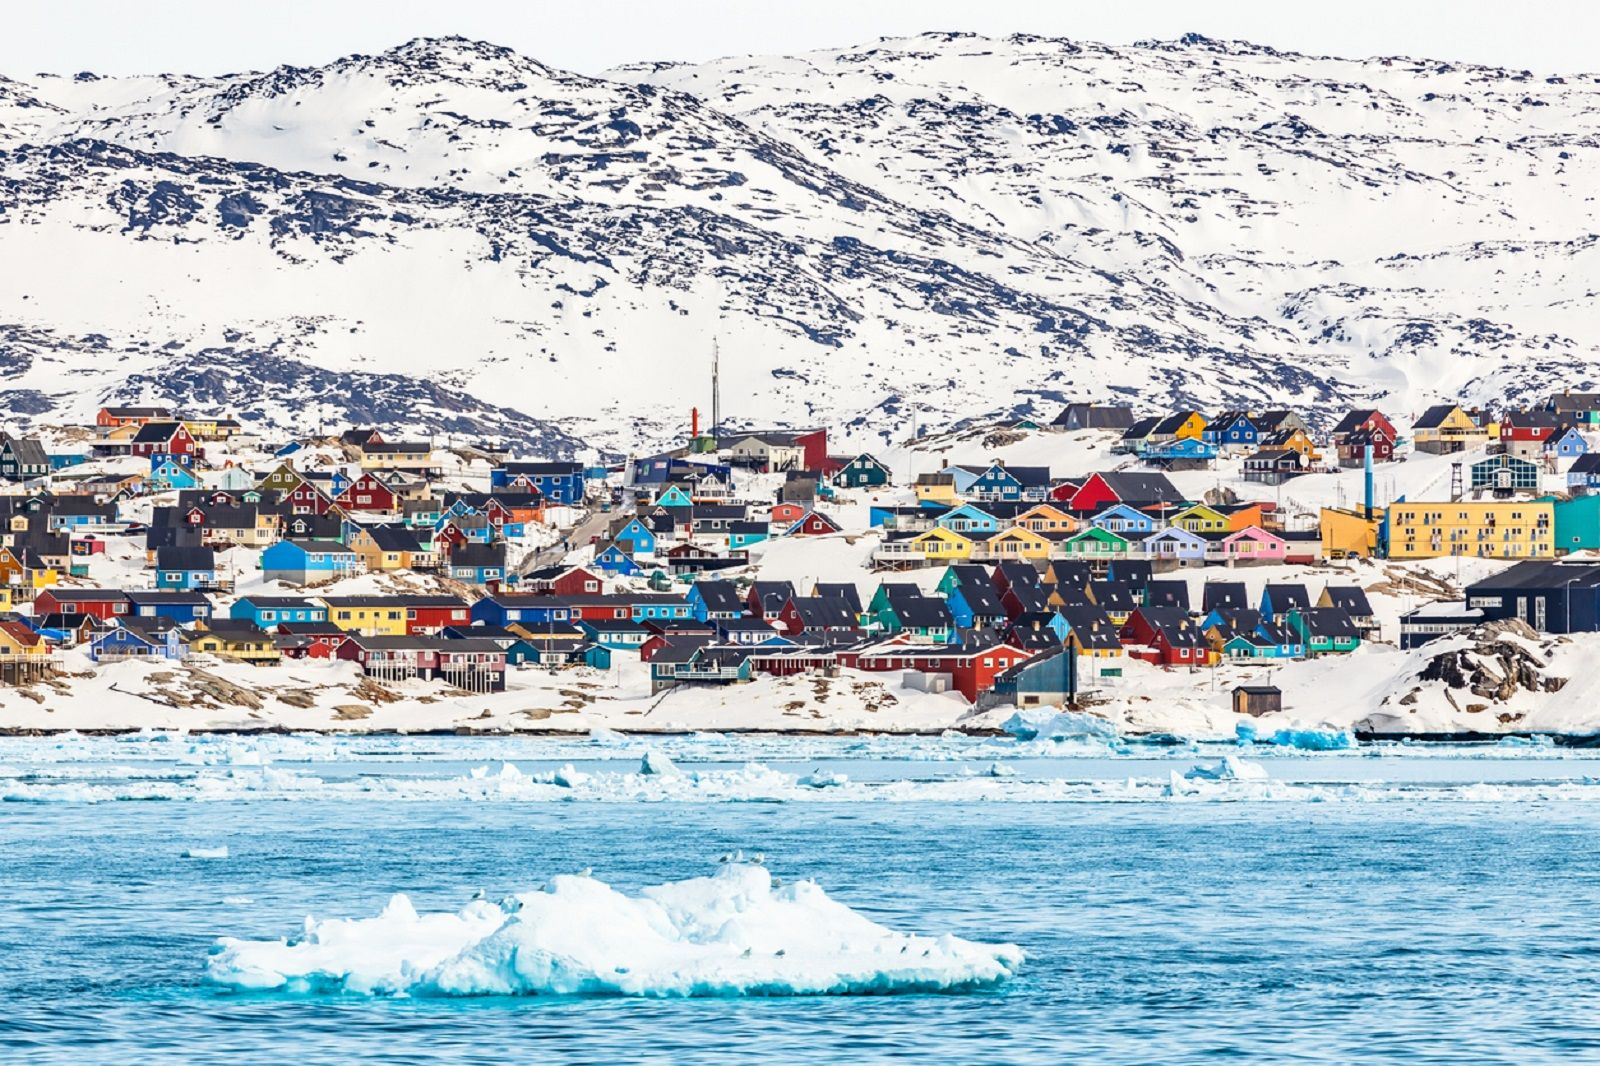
column 730, row 934
column 1057, row 725
column 207, row 853
column 1230, row 768
column 653, row 763
column 1305, row 739
column 820, row 778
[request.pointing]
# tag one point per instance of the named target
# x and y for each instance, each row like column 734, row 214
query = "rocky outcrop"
column 1501, row 660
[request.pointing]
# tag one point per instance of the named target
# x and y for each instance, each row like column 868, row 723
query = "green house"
column 1577, row 523
column 1095, row 542
column 674, row 496
column 864, row 471
column 1326, row 630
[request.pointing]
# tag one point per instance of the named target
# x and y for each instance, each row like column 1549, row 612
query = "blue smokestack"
column 1366, row 472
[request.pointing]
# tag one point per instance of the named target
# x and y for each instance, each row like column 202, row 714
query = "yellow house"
column 239, row 527
column 369, row 616
column 392, row 548
column 1509, row 529
column 1043, row 518
column 1019, row 543
column 1295, row 440
column 937, row 488
column 942, row 545
column 1444, row 429
column 1184, row 425
column 240, row 642
column 1200, row 519
column 17, row 641
column 1349, row 534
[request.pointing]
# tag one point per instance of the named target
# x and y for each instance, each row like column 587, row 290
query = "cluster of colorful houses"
column 1040, row 570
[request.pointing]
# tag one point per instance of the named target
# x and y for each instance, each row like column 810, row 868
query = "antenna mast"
column 716, row 388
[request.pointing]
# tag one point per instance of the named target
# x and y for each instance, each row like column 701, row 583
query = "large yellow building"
column 1349, row 534
column 1509, row 529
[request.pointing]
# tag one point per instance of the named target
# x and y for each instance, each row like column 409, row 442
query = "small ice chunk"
column 820, row 778
column 653, row 763
column 1229, row 768
column 207, row 853
column 569, row 776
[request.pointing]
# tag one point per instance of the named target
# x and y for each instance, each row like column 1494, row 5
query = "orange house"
column 112, row 417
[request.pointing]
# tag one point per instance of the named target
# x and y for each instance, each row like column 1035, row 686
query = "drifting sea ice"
column 730, row 934
column 1058, row 725
column 1305, row 739
column 1229, row 768
column 207, row 853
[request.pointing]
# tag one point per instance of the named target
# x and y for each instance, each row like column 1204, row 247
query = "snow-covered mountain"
column 456, row 237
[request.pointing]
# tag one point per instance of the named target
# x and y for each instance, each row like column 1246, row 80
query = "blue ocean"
column 1374, row 904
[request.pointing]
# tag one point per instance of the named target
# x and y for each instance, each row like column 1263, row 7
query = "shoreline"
column 1150, row 740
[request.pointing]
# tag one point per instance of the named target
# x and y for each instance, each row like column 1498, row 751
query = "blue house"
column 674, row 496
column 1585, row 473
column 477, row 564
column 180, row 607
column 169, row 475
column 137, row 640
column 1185, row 449
column 617, row 635
column 643, row 538
column 1567, row 445
column 269, row 612
column 507, row 609
column 714, row 600
column 1012, row 483
column 560, row 483
column 1120, row 518
column 185, row 568
column 613, row 560
column 308, row 562
column 659, row 609
column 744, row 534
column 1178, row 544
column 1234, row 430
column 968, row 519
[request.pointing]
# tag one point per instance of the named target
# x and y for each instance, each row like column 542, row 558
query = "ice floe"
column 207, row 853
column 731, row 934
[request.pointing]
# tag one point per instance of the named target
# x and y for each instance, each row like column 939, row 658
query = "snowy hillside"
column 459, row 238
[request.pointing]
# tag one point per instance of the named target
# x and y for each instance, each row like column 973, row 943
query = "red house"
column 787, row 514
column 162, row 438
column 1359, row 420
column 1063, row 491
column 311, row 640
column 1353, row 446
column 368, row 493
column 971, row 668
column 1166, row 636
column 574, row 581
column 112, row 417
column 104, row 604
column 429, row 614
column 814, row 524
column 306, row 498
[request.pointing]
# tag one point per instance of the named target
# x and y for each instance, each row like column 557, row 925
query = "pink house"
column 1254, row 545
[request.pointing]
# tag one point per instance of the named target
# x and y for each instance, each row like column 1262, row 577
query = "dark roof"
column 840, row 590
column 169, row 597
column 720, row 596
column 1140, row 488
column 184, row 558
column 1095, row 416
column 1288, row 597
column 1092, row 627
column 156, row 432
column 822, row 612
column 1351, row 598
column 1434, row 416
column 1327, row 622
column 1173, row 625
column 923, row 612
column 1141, row 428
column 1168, row 594
column 1350, row 421
column 1218, row 594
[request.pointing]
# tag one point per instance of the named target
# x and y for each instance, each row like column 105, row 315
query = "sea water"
column 1372, row 905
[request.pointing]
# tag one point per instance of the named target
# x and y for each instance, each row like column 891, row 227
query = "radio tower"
column 716, row 388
